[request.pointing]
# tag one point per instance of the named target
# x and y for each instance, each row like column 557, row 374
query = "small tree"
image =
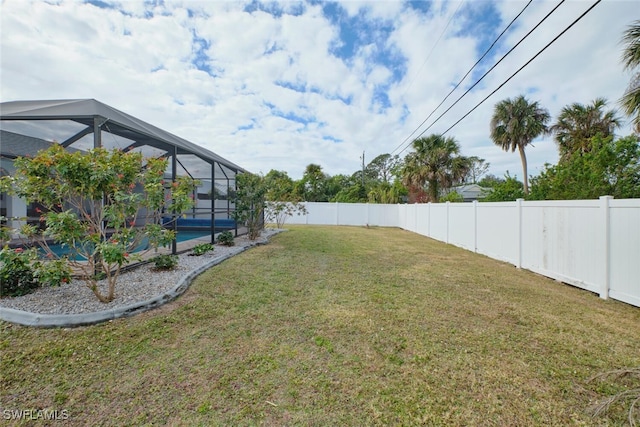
column 279, row 211
column 250, row 202
column 92, row 204
column 283, row 201
column 477, row 169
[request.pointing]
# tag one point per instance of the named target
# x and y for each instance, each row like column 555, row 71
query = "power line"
column 521, row 68
column 488, row 71
column 465, row 76
column 491, row 69
column 433, row 48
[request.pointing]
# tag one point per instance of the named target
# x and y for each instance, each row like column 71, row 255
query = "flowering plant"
column 103, row 205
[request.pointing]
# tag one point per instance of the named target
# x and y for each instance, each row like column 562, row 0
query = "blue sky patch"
column 201, row 60
column 290, row 116
column 421, row 6
column 100, row 4
column 381, row 99
column 481, row 22
column 300, row 87
column 332, row 139
column 359, row 32
column 276, row 9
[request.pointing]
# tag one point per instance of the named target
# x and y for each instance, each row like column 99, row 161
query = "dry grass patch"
column 339, row 326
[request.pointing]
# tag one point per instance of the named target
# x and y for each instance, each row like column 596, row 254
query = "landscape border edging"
column 40, row 320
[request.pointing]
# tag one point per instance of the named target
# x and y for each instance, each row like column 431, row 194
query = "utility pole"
column 363, row 169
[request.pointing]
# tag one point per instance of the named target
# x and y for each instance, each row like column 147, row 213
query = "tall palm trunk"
column 523, row 158
column 433, row 191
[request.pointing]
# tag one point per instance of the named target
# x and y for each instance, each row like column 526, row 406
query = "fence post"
column 519, row 209
column 448, row 221
column 606, row 228
column 475, row 226
column 337, row 213
column 367, row 223
column 306, row 216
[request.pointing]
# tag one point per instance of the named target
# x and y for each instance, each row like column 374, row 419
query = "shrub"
column 165, row 262
column 278, row 212
column 52, row 273
column 16, row 273
column 250, row 203
column 92, row 201
column 202, row 249
column 225, row 238
column 453, row 197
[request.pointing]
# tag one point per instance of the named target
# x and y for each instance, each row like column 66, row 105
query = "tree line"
column 593, row 160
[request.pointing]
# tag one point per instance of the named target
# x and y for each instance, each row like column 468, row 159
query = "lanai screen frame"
column 98, row 117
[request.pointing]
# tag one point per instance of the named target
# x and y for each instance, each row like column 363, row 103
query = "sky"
column 280, row 85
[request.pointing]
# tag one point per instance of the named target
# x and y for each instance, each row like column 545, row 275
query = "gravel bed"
column 136, row 285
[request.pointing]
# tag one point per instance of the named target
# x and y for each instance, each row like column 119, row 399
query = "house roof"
column 469, row 188
column 116, row 122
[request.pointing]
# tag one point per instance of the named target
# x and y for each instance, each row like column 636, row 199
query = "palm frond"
column 632, row 396
column 631, row 53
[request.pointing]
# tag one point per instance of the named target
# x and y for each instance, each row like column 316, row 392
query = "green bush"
column 68, row 186
column 453, row 197
column 165, row 262
column 16, row 274
column 52, row 273
column 202, row 249
column 225, row 238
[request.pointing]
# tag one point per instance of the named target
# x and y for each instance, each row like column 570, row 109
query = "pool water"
column 185, row 235
column 182, row 236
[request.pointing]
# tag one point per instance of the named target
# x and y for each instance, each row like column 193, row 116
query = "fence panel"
column 383, row 215
column 564, row 240
column 352, row 213
column 624, row 256
column 322, row 213
column 497, row 231
column 410, row 217
column 423, row 219
column 298, row 219
column 462, row 225
column 438, row 221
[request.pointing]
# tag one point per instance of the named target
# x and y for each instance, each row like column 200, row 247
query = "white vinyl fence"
column 591, row 244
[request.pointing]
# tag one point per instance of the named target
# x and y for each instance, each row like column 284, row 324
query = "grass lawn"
column 338, row 326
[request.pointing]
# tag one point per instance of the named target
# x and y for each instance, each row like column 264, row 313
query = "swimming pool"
column 182, row 236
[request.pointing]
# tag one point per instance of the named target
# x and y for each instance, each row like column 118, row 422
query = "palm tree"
column 515, row 123
column 578, row 123
column 631, row 58
column 436, row 162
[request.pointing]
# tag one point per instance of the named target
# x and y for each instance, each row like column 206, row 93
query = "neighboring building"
column 471, row 192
